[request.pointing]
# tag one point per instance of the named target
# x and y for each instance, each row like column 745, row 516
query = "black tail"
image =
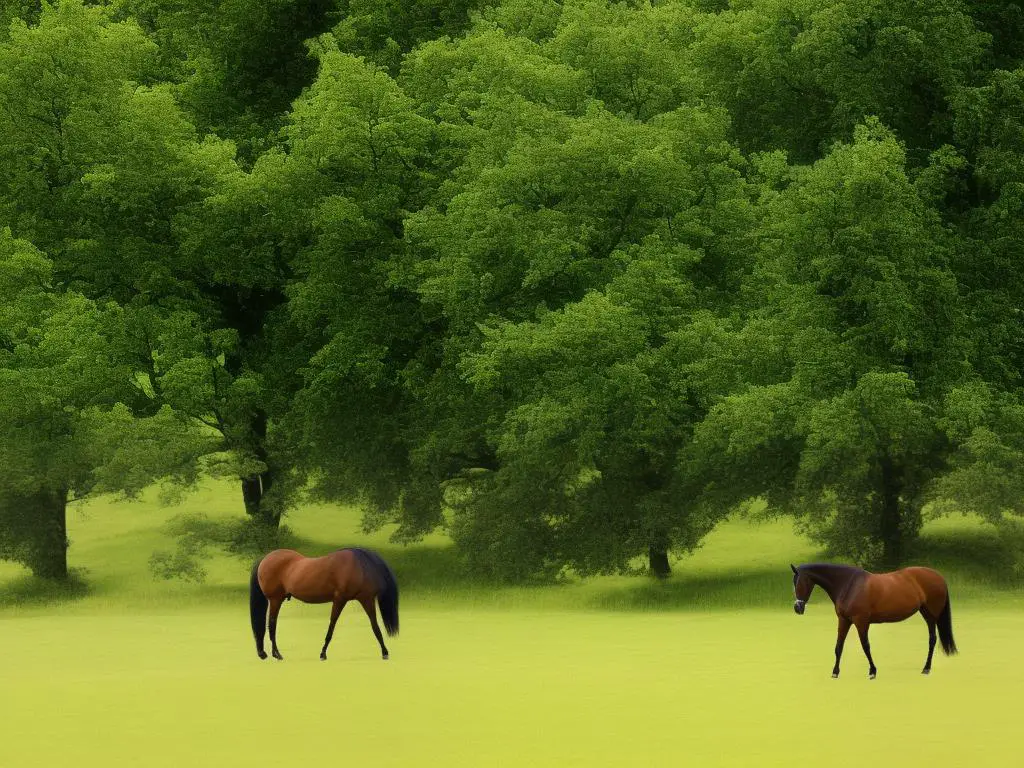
column 387, row 596
column 946, row 630
column 257, row 609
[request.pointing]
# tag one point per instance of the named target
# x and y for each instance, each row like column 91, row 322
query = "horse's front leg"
column 862, row 630
column 844, row 628
column 275, row 608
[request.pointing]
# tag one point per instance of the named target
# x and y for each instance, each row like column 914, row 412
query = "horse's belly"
column 892, row 616
column 308, row 596
column 895, row 606
column 310, row 583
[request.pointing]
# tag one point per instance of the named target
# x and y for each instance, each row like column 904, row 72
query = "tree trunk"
column 254, row 490
column 657, row 558
column 890, row 525
column 47, row 551
column 256, row 487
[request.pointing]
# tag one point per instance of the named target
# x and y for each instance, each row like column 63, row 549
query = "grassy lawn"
column 711, row 668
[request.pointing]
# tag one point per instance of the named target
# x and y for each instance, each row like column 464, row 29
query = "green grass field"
column 710, row 668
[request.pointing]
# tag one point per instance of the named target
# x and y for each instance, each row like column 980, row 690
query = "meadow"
column 711, row 667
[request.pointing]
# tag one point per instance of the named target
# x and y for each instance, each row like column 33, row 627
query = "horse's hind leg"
column 862, row 630
column 275, row 608
column 335, row 613
column 931, row 640
column 371, row 611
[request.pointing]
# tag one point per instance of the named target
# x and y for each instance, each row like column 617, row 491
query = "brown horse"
column 862, row 599
column 348, row 574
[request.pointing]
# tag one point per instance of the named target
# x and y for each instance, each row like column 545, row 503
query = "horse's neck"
column 834, row 578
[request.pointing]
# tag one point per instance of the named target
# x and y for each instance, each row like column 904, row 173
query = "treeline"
column 572, row 280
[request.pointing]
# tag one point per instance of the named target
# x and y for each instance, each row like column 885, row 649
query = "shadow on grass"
column 29, row 590
column 986, row 557
column 436, row 570
column 755, row 588
column 432, row 568
column 975, row 559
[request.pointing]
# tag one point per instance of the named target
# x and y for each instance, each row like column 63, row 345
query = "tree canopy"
column 570, row 280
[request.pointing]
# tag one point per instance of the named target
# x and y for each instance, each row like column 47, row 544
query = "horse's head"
column 802, row 586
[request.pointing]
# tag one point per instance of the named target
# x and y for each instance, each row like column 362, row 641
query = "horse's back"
column 311, row 579
column 923, row 574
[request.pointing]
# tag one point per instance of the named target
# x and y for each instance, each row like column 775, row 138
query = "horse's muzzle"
column 798, row 606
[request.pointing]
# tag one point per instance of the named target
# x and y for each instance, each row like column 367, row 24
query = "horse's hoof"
column 835, row 675
column 278, row 656
column 262, row 654
column 323, row 657
column 871, row 676
column 385, row 657
column 926, row 671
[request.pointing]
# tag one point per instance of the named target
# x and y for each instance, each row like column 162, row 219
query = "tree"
column 635, row 58
column 554, row 207
column 985, row 199
column 598, row 399
column 109, row 177
column 353, row 165
column 65, row 430
column 987, row 426
column 799, row 76
column 856, row 278
column 547, row 197
column 383, row 32
column 1004, row 21
column 236, row 66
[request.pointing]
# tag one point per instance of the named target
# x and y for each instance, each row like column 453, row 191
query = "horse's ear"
column 793, row 567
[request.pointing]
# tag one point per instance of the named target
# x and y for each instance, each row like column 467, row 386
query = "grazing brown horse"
column 862, row 599
column 348, row 574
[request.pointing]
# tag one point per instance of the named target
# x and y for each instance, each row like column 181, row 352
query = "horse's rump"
column 374, row 566
column 896, row 595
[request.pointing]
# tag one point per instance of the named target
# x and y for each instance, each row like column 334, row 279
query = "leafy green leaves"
column 576, row 279
column 64, row 379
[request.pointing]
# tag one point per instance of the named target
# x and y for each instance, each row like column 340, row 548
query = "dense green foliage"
column 572, row 280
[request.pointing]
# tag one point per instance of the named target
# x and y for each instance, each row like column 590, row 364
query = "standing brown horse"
column 862, row 598
column 348, row 574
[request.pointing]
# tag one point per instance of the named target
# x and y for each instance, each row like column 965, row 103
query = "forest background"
column 570, row 281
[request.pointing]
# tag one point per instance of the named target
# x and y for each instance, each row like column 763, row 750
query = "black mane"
column 852, row 569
